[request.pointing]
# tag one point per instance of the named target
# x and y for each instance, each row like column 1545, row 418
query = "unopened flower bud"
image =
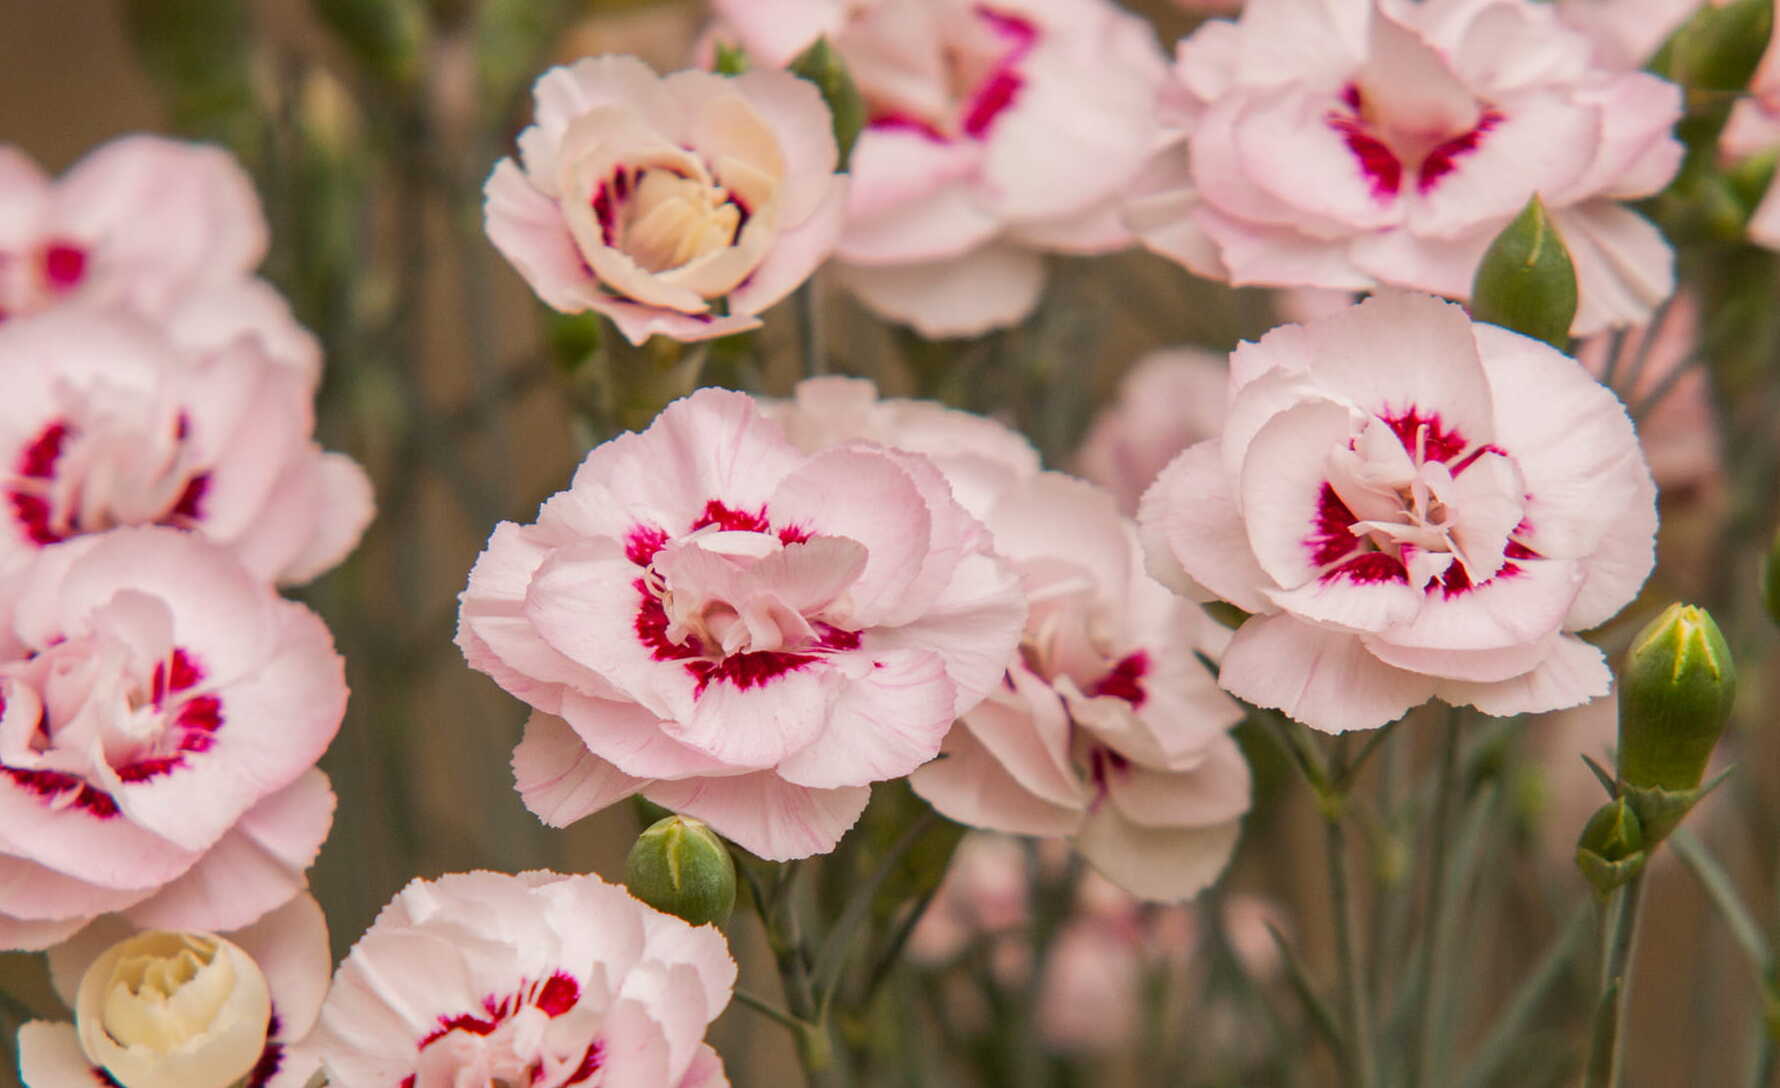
column 173, row 1010
column 1526, row 281
column 1675, row 696
column 679, row 866
column 1721, row 46
column 1611, row 849
column 821, row 65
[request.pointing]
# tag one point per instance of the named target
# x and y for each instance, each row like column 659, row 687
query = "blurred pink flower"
column 738, row 630
column 104, row 421
column 1334, row 143
column 996, row 133
column 983, row 896
column 1625, row 33
column 537, row 979
column 1413, row 506
column 1107, row 729
column 141, row 221
column 1168, row 401
column 650, row 199
column 161, row 712
column 290, row 945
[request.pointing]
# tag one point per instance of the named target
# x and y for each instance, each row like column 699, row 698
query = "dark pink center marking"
column 1383, row 166
column 36, row 466
column 1125, row 680
column 555, row 996
column 1439, row 162
column 64, row 265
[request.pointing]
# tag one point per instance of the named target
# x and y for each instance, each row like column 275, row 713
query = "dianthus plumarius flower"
column 681, row 205
column 161, row 712
column 996, row 133
column 1412, row 506
column 741, row 631
column 105, row 420
column 1354, row 143
column 540, row 980
column 167, row 1009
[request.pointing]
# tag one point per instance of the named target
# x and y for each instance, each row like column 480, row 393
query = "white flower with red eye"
column 1107, row 729
column 1348, row 144
column 288, row 949
column 996, row 132
column 738, row 630
column 143, row 221
column 680, row 205
column 540, row 980
column 161, row 712
column 105, row 422
column 1414, row 506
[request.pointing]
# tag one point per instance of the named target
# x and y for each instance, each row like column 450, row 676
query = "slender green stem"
column 1361, row 1066
column 809, row 330
column 1606, row 1061
column 1440, row 830
column 1510, row 1029
column 770, row 1011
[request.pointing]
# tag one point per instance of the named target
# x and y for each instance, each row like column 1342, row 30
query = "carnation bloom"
column 538, row 979
column 1165, row 403
column 995, row 133
column 105, row 421
column 1335, row 143
column 1107, row 729
column 742, row 632
column 141, row 221
column 198, row 1010
column 652, row 200
column 161, row 711
column 1413, row 506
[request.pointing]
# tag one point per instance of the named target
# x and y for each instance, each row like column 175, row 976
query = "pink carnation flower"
column 1413, row 506
column 141, row 221
column 161, row 712
column 652, row 199
column 1107, row 729
column 1165, row 403
column 996, row 133
column 539, row 980
column 1346, row 144
column 290, row 946
column 740, row 631
column 104, row 422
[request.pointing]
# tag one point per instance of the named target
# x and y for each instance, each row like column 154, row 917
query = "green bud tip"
column 1610, row 850
column 1676, row 691
column 821, row 65
column 679, row 866
column 1526, row 281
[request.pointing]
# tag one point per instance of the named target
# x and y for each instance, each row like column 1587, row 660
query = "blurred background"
column 370, row 136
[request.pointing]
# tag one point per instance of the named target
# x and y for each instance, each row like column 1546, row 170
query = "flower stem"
column 1422, row 1040
column 1360, row 1061
column 809, row 330
column 1607, row 1052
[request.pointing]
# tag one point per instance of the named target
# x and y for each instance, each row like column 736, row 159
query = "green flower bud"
column 1719, row 48
column 679, row 866
column 821, row 65
column 1611, row 849
column 1526, row 281
column 1675, row 695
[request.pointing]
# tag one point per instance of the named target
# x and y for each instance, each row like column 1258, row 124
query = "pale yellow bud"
column 173, row 1010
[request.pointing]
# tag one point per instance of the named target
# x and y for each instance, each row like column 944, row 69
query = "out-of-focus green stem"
column 1422, row 1039
column 1607, row 1051
column 1356, row 1006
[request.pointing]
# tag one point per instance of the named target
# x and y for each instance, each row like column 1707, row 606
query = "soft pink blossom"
column 161, row 712
column 655, row 200
column 1412, row 506
column 142, row 221
column 1165, row 403
column 996, row 133
column 981, row 458
column 107, row 421
column 1625, row 33
column 1107, row 729
column 983, row 896
column 537, row 979
column 1351, row 144
column 290, row 946
column 736, row 629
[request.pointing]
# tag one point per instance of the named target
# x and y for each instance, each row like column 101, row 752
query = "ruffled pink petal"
column 766, row 815
column 971, row 786
column 1254, row 253
column 1515, row 607
column 800, row 119
column 795, row 256
column 25, row 935
column 706, row 1070
column 345, row 505
column 1024, row 726
column 991, row 287
column 30, row 892
column 1616, row 570
column 1194, row 537
column 631, row 739
column 291, row 946
column 528, row 228
column 1571, row 674
column 1444, row 266
column 775, row 31
column 1474, row 665
column 886, row 722
column 756, row 727
column 1214, row 792
column 1283, row 477
column 559, row 779
column 1544, row 143
column 944, row 224
column 974, row 626
column 566, row 93
column 1624, row 267
column 1162, row 864
column 50, row 1056
column 1325, row 679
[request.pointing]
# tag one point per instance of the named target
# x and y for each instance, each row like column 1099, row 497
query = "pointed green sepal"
column 679, row 866
column 1676, row 688
column 821, row 65
column 1611, row 850
column 1526, row 281
column 1661, row 811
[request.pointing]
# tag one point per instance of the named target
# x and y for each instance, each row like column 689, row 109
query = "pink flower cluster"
column 162, row 708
